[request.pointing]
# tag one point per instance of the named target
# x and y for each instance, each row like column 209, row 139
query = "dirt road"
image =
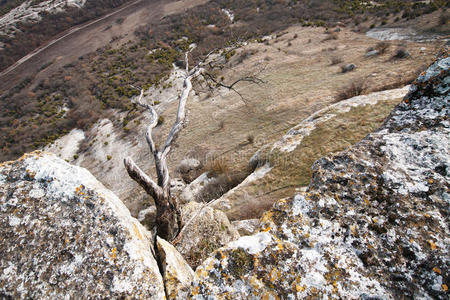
column 78, row 41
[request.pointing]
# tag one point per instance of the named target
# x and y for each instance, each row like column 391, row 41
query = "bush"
column 382, row 47
column 216, row 167
column 401, row 53
column 357, row 88
column 160, row 120
column 108, row 157
column 443, row 18
column 250, row 138
column 331, row 36
column 220, row 185
column 335, row 60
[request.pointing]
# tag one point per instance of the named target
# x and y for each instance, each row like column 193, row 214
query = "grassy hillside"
column 33, row 114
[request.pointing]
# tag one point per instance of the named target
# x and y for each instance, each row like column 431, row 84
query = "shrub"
column 220, row 185
column 108, row 157
column 331, row 36
column 335, row 60
column 216, row 167
column 250, row 138
column 401, row 53
column 443, row 18
column 382, row 47
column 160, row 120
column 356, row 88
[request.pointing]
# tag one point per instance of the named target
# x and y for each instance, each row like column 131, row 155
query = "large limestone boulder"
column 63, row 235
column 177, row 274
column 373, row 224
column 209, row 231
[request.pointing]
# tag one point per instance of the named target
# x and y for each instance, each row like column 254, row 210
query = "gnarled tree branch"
column 168, row 215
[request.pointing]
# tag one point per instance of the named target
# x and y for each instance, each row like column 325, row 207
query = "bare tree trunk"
column 168, row 215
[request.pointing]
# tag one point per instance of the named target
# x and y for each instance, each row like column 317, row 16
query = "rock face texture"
column 210, row 230
column 177, row 274
column 374, row 223
column 63, row 235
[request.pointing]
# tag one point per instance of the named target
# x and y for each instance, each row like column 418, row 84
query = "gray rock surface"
column 246, row 227
column 348, row 68
column 374, row 223
column 372, row 53
column 209, row 231
column 192, row 190
column 63, row 235
column 189, row 169
column 188, row 164
column 177, row 274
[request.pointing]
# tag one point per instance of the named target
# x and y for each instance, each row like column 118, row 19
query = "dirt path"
column 69, row 32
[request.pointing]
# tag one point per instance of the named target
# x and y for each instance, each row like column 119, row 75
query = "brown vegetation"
column 32, row 35
column 33, row 114
column 356, row 88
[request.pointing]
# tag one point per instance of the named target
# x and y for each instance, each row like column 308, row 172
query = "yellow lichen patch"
column 137, row 232
column 267, row 216
column 430, row 181
column 375, row 219
column 195, row 290
column 353, row 229
column 299, row 288
column 210, row 266
column 426, row 215
column 269, row 296
column 444, row 287
column 114, row 253
column 280, row 247
column 274, row 275
column 437, row 270
column 79, row 189
column 432, row 245
column 366, row 201
column 267, row 229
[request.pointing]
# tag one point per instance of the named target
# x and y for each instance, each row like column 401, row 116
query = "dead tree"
column 168, row 215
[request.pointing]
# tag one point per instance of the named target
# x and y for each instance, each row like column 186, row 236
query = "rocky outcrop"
column 246, row 227
column 209, row 231
column 374, row 223
column 65, row 236
column 177, row 274
column 147, row 217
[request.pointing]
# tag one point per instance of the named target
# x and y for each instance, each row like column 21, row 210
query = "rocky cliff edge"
column 373, row 224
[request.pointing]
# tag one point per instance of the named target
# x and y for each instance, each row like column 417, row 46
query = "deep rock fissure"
column 159, row 261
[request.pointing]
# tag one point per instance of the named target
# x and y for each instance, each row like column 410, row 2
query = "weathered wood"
column 168, row 215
